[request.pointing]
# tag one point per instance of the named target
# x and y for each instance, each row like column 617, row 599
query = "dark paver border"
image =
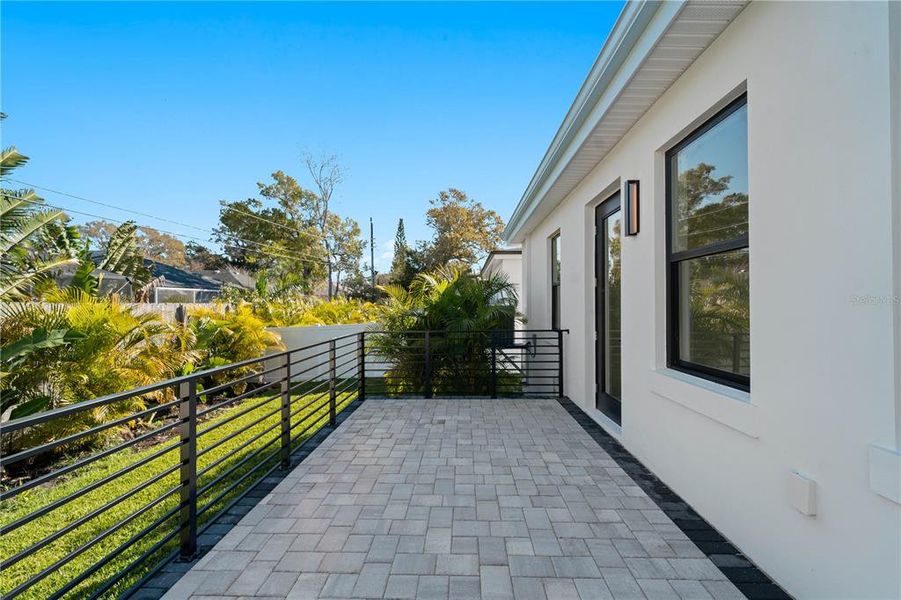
column 156, row 583
column 744, row 574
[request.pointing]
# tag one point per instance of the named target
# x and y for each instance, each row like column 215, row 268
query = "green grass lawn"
column 219, row 460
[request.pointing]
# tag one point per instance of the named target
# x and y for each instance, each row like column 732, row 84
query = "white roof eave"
column 636, row 35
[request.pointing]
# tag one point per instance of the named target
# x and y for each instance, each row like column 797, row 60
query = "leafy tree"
column 153, row 244
column 34, row 240
column 707, row 213
column 464, row 230
column 300, row 235
column 719, row 290
column 162, row 247
column 281, row 239
column 358, row 284
column 345, row 248
column 201, row 258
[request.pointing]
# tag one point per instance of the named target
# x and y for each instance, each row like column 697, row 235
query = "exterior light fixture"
column 632, row 211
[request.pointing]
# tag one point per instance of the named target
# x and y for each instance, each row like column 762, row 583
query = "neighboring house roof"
column 650, row 46
column 231, row 277
column 499, row 252
column 179, row 278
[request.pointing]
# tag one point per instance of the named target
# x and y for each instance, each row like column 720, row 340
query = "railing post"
column 286, row 413
column 560, row 362
column 361, row 342
column 187, row 414
column 331, row 383
column 427, row 382
column 493, row 366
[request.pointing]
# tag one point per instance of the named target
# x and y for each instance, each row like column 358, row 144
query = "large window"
column 707, row 209
column 555, row 282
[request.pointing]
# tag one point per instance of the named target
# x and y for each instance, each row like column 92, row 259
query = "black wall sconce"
column 632, row 210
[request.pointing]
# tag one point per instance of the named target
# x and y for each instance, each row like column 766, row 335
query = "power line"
column 147, row 215
column 318, row 236
column 107, row 205
column 172, row 233
column 164, row 219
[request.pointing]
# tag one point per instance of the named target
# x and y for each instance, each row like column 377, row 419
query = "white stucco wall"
column 510, row 266
column 311, row 346
column 820, row 176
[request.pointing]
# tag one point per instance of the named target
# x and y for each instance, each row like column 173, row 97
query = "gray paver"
column 480, row 499
column 401, row 586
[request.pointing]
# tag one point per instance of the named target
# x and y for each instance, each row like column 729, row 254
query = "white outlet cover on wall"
column 802, row 492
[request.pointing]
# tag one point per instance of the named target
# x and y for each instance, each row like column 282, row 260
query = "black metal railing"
column 97, row 494
column 492, row 364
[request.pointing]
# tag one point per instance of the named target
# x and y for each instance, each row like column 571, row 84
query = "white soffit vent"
column 650, row 46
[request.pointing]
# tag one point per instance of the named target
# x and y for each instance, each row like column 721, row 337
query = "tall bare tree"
column 326, row 174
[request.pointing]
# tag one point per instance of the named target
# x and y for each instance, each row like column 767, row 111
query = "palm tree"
column 463, row 311
column 34, row 240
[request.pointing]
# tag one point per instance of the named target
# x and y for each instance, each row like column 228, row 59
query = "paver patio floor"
column 457, row 499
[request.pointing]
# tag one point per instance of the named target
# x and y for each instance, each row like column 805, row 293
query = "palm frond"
column 10, row 159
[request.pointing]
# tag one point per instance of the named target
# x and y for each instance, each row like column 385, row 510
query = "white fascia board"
column 634, row 36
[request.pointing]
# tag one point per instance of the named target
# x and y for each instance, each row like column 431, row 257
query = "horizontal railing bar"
column 217, row 424
column 354, row 358
column 234, row 434
column 318, row 397
column 317, row 388
column 325, row 352
column 307, row 428
column 238, row 481
column 50, row 569
column 121, row 548
column 318, row 365
column 499, row 332
column 242, row 396
column 325, row 400
column 5, row 461
column 6, row 529
column 229, row 384
column 234, row 451
column 48, row 415
column 351, row 384
column 321, row 397
column 82, row 520
column 7, row 494
column 206, row 487
column 55, row 413
column 309, row 368
column 118, row 577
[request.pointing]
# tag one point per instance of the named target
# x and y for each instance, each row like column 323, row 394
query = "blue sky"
column 167, row 108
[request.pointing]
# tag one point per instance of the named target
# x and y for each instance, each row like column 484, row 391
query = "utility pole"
column 372, row 257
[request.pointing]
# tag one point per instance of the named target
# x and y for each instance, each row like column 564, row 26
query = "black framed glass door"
column 608, row 292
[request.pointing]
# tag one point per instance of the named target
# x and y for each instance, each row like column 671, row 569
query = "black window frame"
column 554, row 254
column 734, row 380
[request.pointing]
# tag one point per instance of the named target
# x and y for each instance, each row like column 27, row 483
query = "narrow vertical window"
column 555, row 282
column 708, row 250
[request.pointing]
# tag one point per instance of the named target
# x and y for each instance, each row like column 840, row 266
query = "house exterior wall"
column 822, row 304
column 510, row 266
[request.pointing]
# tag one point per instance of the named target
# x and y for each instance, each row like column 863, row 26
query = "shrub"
column 301, row 311
column 55, row 355
column 229, row 336
column 465, row 309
